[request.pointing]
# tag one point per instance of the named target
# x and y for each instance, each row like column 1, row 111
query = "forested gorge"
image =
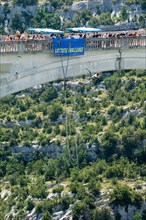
column 107, row 122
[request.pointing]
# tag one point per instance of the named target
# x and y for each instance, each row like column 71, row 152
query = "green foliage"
column 94, row 187
column 29, row 205
column 107, row 130
column 130, row 140
column 124, row 14
column 59, row 189
column 16, row 22
column 143, row 4
column 45, row 206
column 48, row 94
column 85, row 15
column 38, row 190
column 144, row 214
column 109, row 142
column 25, row 2
column 103, row 213
column 50, row 170
column 129, row 2
column 105, row 19
column 43, row 19
column 81, row 211
column 58, row 4
column 69, row 24
column 94, row 22
column 47, row 216
column 124, row 195
column 114, row 2
column 65, row 202
column 6, row 9
column 55, row 111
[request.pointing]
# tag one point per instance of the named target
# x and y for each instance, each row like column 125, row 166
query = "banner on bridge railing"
column 68, row 47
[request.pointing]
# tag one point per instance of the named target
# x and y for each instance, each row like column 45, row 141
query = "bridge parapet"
column 115, row 43
column 35, row 46
column 26, row 46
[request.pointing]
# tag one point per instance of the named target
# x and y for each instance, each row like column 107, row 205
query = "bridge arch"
column 21, row 69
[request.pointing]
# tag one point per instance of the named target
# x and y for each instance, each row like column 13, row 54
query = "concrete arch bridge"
column 24, row 64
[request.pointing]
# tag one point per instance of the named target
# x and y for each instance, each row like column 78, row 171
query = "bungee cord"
column 74, row 162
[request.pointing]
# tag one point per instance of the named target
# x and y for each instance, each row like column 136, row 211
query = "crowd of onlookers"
column 26, row 36
column 33, row 45
column 118, row 35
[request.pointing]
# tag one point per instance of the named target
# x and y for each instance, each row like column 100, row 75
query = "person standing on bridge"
column 18, row 34
column 7, row 38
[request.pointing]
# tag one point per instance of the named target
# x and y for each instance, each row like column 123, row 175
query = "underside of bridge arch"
column 28, row 70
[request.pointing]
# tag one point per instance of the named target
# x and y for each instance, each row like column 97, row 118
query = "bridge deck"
column 35, row 46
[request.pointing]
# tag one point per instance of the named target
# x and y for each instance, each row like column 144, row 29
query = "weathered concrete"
column 23, row 70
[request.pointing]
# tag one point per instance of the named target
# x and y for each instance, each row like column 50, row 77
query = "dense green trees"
column 110, row 136
column 38, row 190
column 124, row 15
column 55, row 111
column 81, row 211
column 105, row 19
column 102, row 19
column 109, row 142
column 103, row 213
column 124, row 195
column 43, row 19
column 94, row 21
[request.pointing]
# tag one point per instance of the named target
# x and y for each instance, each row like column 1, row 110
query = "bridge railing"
column 113, row 43
column 26, row 46
column 34, row 46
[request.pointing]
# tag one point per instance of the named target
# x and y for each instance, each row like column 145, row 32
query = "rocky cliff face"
column 104, row 5
column 95, row 6
column 51, row 151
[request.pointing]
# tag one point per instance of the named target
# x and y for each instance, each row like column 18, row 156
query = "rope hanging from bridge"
column 73, row 161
